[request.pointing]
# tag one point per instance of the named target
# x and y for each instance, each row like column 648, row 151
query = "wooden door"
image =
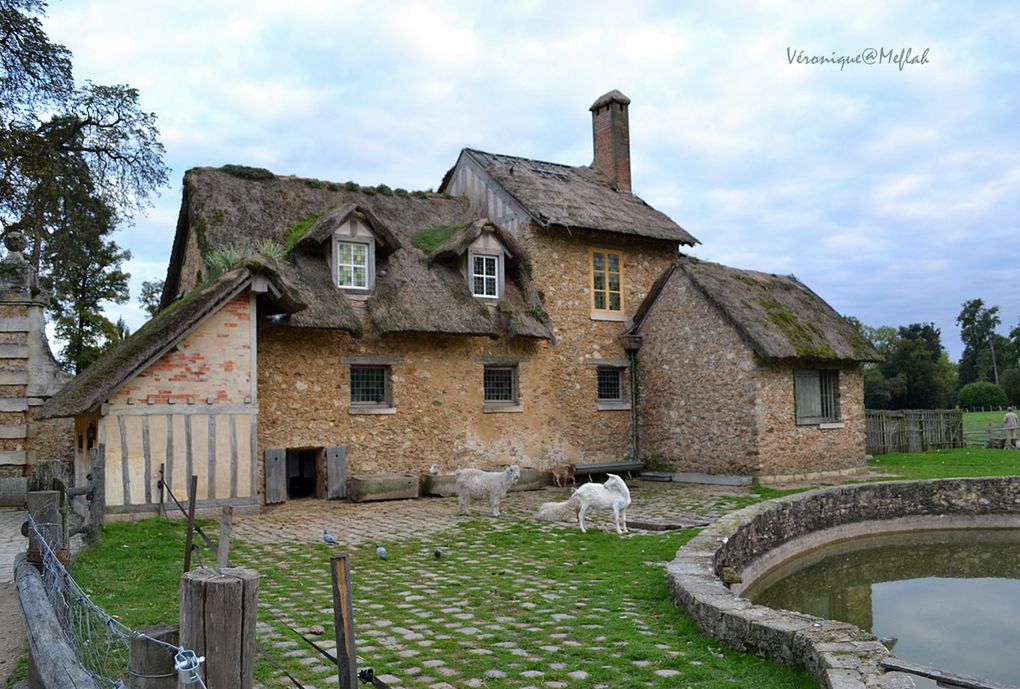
column 336, row 472
column 276, row 475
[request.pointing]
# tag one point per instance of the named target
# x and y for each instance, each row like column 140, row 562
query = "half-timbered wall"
column 193, row 410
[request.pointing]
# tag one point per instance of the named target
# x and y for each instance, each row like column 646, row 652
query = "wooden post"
column 162, row 508
column 151, row 665
column 44, row 507
column 218, row 617
column 223, row 547
column 343, row 622
column 97, row 500
column 191, row 523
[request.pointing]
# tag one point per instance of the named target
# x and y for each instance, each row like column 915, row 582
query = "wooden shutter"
column 336, row 473
column 276, row 475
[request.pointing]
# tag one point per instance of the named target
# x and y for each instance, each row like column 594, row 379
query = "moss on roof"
column 428, row 239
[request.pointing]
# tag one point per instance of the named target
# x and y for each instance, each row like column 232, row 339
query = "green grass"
column 979, row 420
column 20, row 672
column 957, row 463
column 520, row 585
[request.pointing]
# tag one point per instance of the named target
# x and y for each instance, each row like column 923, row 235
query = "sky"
column 783, row 135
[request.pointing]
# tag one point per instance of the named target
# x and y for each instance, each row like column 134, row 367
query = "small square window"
column 370, row 386
column 499, row 384
column 485, row 276
column 610, row 384
column 353, row 263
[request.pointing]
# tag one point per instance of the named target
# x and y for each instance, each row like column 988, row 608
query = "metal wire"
column 100, row 642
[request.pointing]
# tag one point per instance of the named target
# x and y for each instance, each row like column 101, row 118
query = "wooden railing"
column 913, row 430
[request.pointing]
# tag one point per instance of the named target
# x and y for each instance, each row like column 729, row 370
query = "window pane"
column 614, row 301
column 368, row 384
column 614, row 282
column 345, row 278
column 600, row 281
column 360, row 277
column 490, row 287
column 614, row 263
column 598, row 261
column 609, row 385
column 479, row 265
column 600, row 300
column 498, row 384
column 479, row 286
column 358, row 254
column 345, row 252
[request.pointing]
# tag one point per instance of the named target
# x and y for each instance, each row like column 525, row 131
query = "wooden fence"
column 913, row 430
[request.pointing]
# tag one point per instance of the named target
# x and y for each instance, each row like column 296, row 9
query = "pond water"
column 947, row 599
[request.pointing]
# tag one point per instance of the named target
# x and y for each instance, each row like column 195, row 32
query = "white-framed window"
column 353, row 265
column 816, row 394
column 499, row 385
column 370, row 386
column 609, row 382
column 485, row 275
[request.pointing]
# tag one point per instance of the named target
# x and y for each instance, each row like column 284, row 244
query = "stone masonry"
column 709, row 404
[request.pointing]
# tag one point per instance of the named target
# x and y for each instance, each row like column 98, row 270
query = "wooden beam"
column 897, row 665
column 343, row 622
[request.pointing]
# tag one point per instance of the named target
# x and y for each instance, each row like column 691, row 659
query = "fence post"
column 191, row 523
column 151, row 665
column 218, row 617
column 44, row 508
column 343, row 622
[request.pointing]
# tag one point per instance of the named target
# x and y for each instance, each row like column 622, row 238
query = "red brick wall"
column 213, row 361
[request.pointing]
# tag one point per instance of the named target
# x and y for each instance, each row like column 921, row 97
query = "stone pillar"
column 29, row 374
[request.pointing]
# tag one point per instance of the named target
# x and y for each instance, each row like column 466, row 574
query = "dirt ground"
column 12, row 632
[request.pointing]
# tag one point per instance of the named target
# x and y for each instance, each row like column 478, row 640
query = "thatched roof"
column 580, row 197
column 777, row 315
column 460, row 240
column 412, row 293
column 136, row 352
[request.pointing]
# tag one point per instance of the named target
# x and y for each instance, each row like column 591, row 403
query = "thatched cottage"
column 528, row 312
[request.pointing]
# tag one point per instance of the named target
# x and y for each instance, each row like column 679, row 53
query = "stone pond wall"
column 836, row 654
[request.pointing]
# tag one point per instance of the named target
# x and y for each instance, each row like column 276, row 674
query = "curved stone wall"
column 836, row 654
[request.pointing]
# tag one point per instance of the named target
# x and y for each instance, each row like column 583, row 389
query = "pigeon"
column 381, row 552
column 328, row 538
column 437, row 553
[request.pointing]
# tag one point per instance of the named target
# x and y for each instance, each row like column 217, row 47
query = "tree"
column 977, row 330
column 89, row 274
column 1010, row 385
column 152, row 292
column 916, row 372
column 981, row 394
column 75, row 161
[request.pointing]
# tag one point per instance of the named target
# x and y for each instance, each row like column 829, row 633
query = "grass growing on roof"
column 246, row 172
column 429, row 239
column 297, row 231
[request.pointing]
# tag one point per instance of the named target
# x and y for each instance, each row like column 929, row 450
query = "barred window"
column 370, row 385
column 816, row 394
column 610, row 384
column 499, row 384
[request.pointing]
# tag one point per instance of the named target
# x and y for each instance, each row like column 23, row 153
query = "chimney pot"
column 611, row 137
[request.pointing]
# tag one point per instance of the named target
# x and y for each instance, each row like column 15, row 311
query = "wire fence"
column 99, row 642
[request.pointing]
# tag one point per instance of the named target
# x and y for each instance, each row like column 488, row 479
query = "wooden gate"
column 336, row 472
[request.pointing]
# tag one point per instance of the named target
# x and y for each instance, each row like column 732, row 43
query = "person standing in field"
column 1009, row 423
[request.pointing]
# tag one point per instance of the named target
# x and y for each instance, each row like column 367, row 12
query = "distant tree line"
column 916, row 372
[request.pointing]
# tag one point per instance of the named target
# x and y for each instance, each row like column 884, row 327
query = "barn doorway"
column 302, row 473
column 305, row 472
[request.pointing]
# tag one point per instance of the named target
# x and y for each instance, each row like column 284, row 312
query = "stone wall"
column 788, row 450
column 698, row 382
column 438, row 414
column 836, row 654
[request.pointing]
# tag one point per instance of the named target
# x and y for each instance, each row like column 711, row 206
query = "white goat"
column 484, row 485
column 565, row 511
column 612, row 494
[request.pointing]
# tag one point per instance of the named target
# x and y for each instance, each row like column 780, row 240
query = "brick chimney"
column 611, row 134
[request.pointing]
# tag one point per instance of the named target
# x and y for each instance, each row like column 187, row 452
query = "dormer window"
column 486, row 275
column 354, row 255
column 353, row 264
